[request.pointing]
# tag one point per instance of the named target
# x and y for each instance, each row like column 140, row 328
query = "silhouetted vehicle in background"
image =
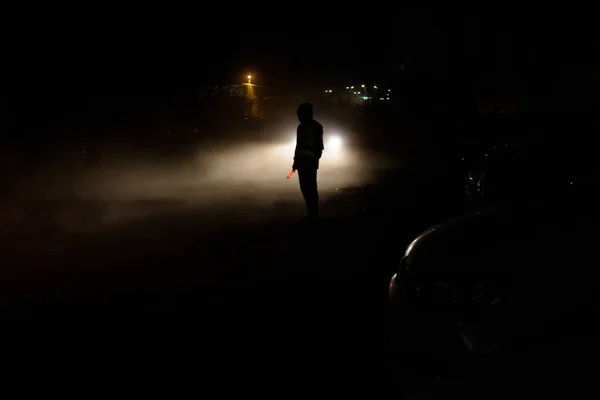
column 502, row 279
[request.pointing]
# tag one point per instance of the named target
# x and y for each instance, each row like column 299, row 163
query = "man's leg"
column 308, row 186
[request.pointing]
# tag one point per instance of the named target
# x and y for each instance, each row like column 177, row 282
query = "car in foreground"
column 500, row 278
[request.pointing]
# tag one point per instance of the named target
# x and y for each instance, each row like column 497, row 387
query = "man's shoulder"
column 310, row 125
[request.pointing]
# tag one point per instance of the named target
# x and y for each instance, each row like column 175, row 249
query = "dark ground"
column 263, row 303
column 251, row 306
column 277, row 300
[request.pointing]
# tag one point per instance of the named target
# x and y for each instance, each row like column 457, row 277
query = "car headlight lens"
column 334, row 143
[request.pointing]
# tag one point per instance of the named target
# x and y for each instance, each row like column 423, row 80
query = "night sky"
column 66, row 71
column 173, row 58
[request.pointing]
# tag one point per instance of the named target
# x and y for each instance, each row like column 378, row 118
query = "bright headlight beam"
column 334, row 143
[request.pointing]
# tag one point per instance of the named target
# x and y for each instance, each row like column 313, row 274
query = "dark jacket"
column 309, row 144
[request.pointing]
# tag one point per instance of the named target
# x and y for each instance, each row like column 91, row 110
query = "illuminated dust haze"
column 233, row 182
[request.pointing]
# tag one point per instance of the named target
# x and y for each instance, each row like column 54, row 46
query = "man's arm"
column 320, row 146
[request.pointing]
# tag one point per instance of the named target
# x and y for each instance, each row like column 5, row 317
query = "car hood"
column 494, row 240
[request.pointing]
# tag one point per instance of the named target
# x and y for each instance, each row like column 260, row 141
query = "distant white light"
column 389, row 90
column 375, row 87
column 347, row 87
column 351, row 87
column 330, row 90
column 326, row 91
column 334, row 143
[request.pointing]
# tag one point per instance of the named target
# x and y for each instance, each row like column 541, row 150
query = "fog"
column 237, row 179
column 234, row 181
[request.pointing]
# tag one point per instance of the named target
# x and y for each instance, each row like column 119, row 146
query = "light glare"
column 334, row 143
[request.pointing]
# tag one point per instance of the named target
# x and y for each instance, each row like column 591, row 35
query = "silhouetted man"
column 309, row 147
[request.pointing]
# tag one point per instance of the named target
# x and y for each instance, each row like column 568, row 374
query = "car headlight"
column 334, row 143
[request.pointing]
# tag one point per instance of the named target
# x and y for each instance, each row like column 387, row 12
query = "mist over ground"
column 243, row 173
column 181, row 177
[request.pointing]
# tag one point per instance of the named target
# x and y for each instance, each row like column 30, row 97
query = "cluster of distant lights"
column 358, row 92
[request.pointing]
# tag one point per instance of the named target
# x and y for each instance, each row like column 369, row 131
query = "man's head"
column 305, row 112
